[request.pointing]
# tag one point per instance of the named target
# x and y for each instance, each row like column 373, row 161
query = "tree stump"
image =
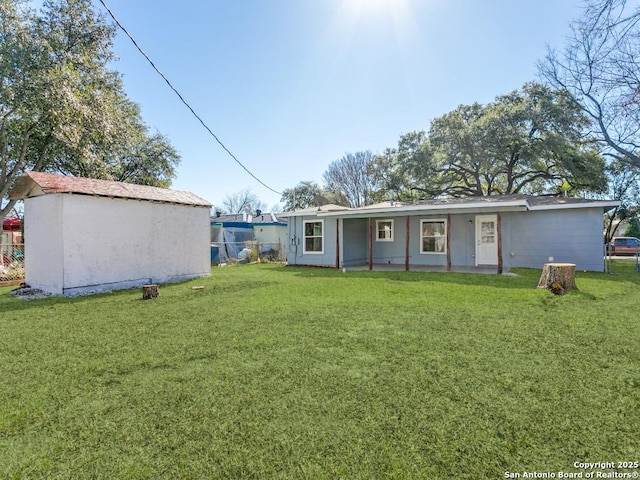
column 558, row 277
column 150, row 291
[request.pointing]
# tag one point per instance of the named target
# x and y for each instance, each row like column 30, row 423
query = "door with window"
column 486, row 240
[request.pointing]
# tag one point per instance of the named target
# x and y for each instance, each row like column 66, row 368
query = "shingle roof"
column 263, row 218
column 502, row 203
column 230, row 218
column 38, row 183
column 531, row 200
column 314, row 210
column 267, row 218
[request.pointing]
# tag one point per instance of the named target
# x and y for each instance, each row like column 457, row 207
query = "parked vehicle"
column 624, row 246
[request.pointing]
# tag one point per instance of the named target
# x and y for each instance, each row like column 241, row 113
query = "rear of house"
column 494, row 233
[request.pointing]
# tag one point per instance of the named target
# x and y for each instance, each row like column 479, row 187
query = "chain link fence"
column 619, row 262
column 247, row 252
column 11, row 263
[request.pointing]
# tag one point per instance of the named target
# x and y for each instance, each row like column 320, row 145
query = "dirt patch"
column 28, row 293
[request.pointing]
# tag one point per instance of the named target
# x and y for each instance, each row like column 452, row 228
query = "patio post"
column 406, row 247
column 499, row 235
column 337, row 243
column 448, row 233
column 370, row 246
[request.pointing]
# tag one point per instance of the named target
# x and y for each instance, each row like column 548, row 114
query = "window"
column 433, row 236
column 488, row 231
column 313, row 236
column 384, row 230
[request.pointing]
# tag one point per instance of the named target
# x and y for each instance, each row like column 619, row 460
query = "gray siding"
column 295, row 249
column 573, row 236
column 390, row 252
column 462, row 244
column 353, row 242
column 528, row 240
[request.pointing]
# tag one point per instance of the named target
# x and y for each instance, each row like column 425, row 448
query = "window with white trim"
column 433, row 236
column 313, row 236
column 384, row 230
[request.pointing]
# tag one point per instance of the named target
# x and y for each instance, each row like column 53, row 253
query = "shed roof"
column 33, row 184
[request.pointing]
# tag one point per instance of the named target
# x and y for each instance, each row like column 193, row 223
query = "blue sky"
column 291, row 85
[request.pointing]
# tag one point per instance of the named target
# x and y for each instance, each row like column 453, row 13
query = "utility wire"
column 182, row 99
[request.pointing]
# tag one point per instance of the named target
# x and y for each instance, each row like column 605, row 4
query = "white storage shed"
column 85, row 235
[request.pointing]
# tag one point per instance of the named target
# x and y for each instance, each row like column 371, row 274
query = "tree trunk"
column 150, row 291
column 558, row 277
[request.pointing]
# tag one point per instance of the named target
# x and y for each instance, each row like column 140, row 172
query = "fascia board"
column 606, row 204
column 518, row 205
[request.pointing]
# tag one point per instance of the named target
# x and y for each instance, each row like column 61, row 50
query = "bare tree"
column 624, row 185
column 600, row 69
column 244, row 201
column 350, row 179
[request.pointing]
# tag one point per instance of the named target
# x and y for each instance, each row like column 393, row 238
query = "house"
column 11, row 233
column 11, row 250
column 491, row 233
column 85, row 235
column 230, row 234
column 269, row 229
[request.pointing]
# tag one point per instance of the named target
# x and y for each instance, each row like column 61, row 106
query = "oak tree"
column 62, row 108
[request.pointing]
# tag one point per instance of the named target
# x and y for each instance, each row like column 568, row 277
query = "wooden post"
column 558, row 277
column 150, row 291
column 370, row 246
column 406, row 247
column 448, row 235
column 499, row 240
column 337, row 243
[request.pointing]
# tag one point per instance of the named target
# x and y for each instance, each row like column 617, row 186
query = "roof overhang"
column 445, row 208
column 439, row 209
column 604, row 204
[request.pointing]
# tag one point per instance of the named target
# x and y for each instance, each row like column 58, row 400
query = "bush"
column 633, row 230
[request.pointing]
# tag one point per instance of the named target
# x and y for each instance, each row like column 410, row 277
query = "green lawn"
column 283, row 372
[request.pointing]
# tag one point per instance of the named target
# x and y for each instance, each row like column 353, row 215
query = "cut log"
column 150, row 291
column 558, row 277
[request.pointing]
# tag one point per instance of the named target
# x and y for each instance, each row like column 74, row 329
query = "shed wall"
column 43, row 238
column 119, row 243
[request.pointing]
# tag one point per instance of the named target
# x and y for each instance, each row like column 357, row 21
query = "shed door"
column 486, row 240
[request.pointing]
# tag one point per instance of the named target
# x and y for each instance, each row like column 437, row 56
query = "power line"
column 182, row 99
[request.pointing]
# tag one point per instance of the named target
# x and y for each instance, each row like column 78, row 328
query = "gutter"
column 512, row 206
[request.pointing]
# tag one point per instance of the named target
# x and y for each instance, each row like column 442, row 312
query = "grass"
column 282, row 372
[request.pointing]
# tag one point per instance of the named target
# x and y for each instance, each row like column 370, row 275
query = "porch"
column 385, row 267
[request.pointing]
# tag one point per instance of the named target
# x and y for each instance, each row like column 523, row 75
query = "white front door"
column 486, row 240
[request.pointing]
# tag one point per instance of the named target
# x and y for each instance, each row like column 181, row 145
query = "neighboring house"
column 230, row 234
column 268, row 229
column 11, row 233
column 86, row 235
column 478, row 233
column 11, row 250
column 10, row 224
